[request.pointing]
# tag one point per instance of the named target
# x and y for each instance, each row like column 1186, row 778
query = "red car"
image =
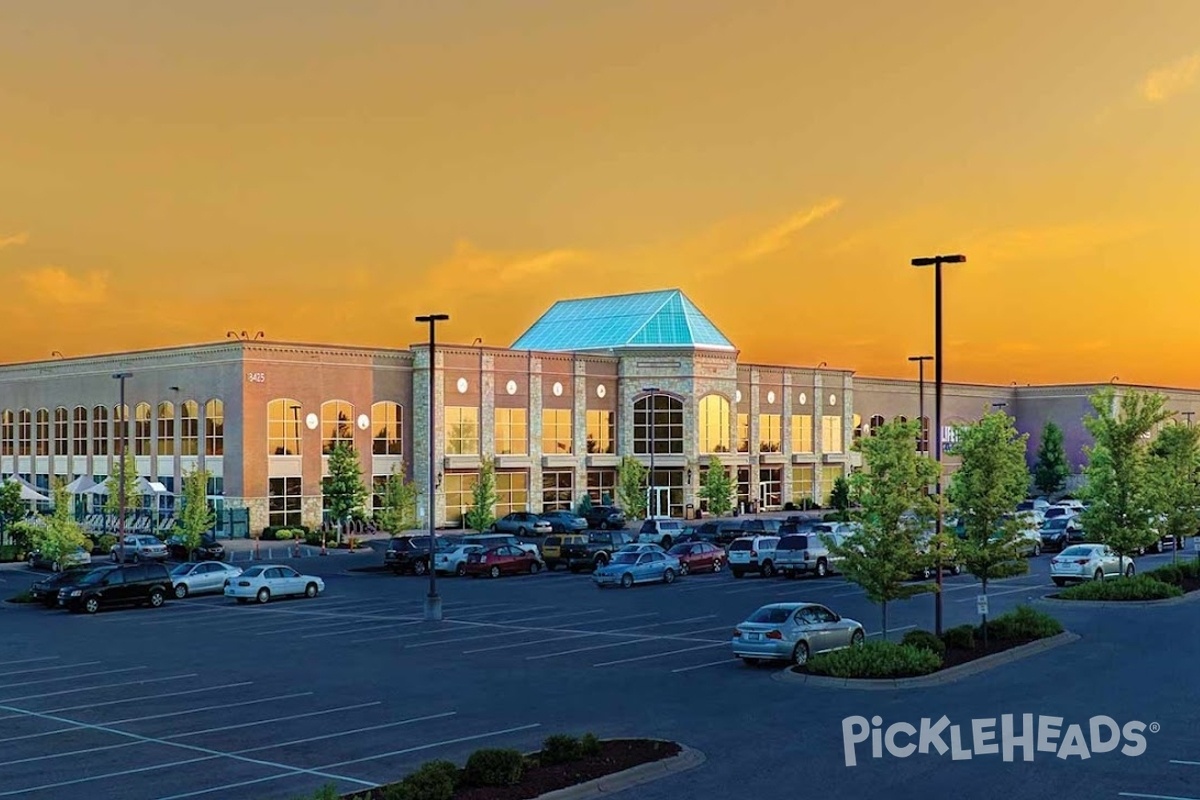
column 501, row 560
column 698, row 557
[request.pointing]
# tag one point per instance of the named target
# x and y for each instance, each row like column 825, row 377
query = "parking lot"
column 208, row 698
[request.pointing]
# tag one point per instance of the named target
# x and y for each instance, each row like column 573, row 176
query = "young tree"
column 584, row 505
column 133, row 495
column 984, row 492
column 839, row 498
column 195, row 517
column 482, row 513
column 1051, row 471
column 12, row 507
column 59, row 534
column 1120, row 514
column 894, row 510
column 399, row 510
column 631, row 487
column 344, row 490
column 1173, row 474
column 717, row 489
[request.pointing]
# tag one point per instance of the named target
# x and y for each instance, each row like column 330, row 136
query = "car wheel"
column 858, row 638
column 750, row 662
column 683, row 568
column 717, row 565
column 800, row 654
column 601, row 561
column 522, row 532
column 419, row 567
column 768, row 569
column 1099, row 576
column 494, row 572
column 1059, row 582
column 181, row 591
column 91, row 605
column 264, row 595
column 156, row 598
column 310, row 590
column 603, row 526
column 534, row 568
column 1037, row 550
column 926, row 573
column 135, row 558
column 737, row 573
column 626, row 580
column 666, row 543
column 112, row 555
column 461, row 569
column 1129, row 571
column 669, row 576
column 822, row 568
column 956, row 569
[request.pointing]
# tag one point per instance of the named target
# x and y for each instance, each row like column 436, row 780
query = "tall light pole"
column 921, row 400
column 121, row 377
column 936, row 262
column 651, row 496
column 433, row 603
column 1188, row 415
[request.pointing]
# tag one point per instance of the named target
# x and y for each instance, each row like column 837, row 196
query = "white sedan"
column 265, row 581
column 206, row 576
column 1085, row 562
column 453, row 560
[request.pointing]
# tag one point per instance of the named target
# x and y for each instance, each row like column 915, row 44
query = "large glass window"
column 658, row 425
column 923, row 441
column 100, row 431
column 214, row 427
column 283, row 427
column 462, row 431
column 556, row 431
column 141, row 429
column 24, row 432
column 802, row 433
column 7, row 432
column 557, row 490
column 743, row 433
column 713, row 422
column 42, row 432
column 858, row 427
column 802, row 483
column 284, row 502
column 770, row 433
column 512, row 492
column 79, row 431
column 512, row 432
column 189, row 428
column 668, row 486
column 831, row 434
column 602, row 486
column 877, row 422
column 387, row 420
column 121, row 431
column 743, row 486
column 337, row 424
column 601, row 432
column 62, row 429
column 459, row 487
column 829, row 474
column 166, row 429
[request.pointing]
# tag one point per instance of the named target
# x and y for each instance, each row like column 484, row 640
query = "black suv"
column 209, row 549
column 410, row 554
column 45, row 591
column 121, row 585
column 605, row 517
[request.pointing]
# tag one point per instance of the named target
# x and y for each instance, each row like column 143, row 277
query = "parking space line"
column 565, row 638
column 893, row 630
column 95, row 688
column 1186, row 763
column 29, row 660
column 241, row 725
column 625, row 643
column 362, row 627
column 105, row 776
column 68, row 753
column 325, row 736
column 228, row 786
column 140, row 699
column 431, row 745
column 1156, row 796
column 238, row 704
column 74, row 677
column 1006, row 591
column 548, row 629
column 660, row 655
column 703, row 666
column 48, row 669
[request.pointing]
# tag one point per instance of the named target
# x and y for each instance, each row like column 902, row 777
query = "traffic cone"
column 323, row 552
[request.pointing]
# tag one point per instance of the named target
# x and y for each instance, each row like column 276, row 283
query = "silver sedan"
column 794, row 631
column 1084, row 562
column 205, row 576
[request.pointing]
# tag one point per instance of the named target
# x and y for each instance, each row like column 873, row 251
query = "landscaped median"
column 1172, row 582
column 565, row 767
column 923, row 659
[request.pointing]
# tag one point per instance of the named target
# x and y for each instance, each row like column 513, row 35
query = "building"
column 557, row 410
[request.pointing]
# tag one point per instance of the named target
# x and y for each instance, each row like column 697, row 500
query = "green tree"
column 988, row 485
column 717, row 489
column 584, row 505
column 1120, row 512
column 1051, row 471
column 631, row 487
column 343, row 490
column 482, row 512
column 839, row 498
column 399, row 510
column 133, row 495
column 59, row 534
column 12, row 507
column 894, row 511
column 195, row 518
column 1173, row 475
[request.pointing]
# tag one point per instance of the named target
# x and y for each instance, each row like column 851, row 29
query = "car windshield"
column 740, row 544
column 771, row 615
column 1055, row 524
column 626, row 558
column 792, row 543
column 1077, row 551
column 253, row 572
column 680, row 549
column 182, row 569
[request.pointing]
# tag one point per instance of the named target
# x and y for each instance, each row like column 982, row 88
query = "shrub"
column 561, row 749
column 327, row 792
column 960, row 638
column 433, row 780
column 12, row 552
column 876, row 660
column 23, row 597
column 925, row 641
column 1139, row 587
column 589, row 745
column 1175, row 574
column 313, row 538
column 494, row 767
column 1023, row 622
column 105, row 543
column 270, row 531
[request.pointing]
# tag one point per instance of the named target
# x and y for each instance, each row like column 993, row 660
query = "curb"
column 1188, row 597
column 945, row 676
column 688, row 758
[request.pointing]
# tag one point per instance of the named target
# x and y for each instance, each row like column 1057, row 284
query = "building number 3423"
column 256, row 377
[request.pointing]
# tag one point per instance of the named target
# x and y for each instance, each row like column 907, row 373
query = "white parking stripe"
column 703, row 666
column 360, row 627
column 140, row 699
column 893, row 630
column 96, row 688
column 661, row 655
column 626, row 643
column 256, row 723
column 572, row 636
column 430, row 746
column 106, row 775
column 1186, row 763
column 239, row 704
column 325, row 736
column 477, row 637
column 68, row 753
column 526, row 620
column 1006, row 591
column 74, row 677
column 48, row 669
column 29, row 660
column 1157, row 796
column 228, row 786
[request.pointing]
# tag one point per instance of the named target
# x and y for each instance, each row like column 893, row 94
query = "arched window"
column 386, row 421
column 189, row 428
column 337, row 424
column 713, row 423
column 42, row 433
column 24, row 432
column 7, row 432
column 62, row 429
column 141, row 429
column 283, row 427
column 877, row 422
column 658, row 425
column 902, row 419
column 858, row 426
column 79, row 431
column 214, row 427
column 166, row 429
column 120, row 429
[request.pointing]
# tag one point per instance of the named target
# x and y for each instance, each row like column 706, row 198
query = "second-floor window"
column 556, row 431
column 462, row 430
column 770, row 433
column 601, row 432
column 512, row 432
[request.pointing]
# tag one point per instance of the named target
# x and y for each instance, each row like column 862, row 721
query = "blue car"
column 627, row 568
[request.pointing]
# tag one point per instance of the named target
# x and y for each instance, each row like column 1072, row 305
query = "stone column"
column 487, row 405
column 755, row 436
column 535, row 434
column 579, row 425
column 421, row 443
column 818, row 406
column 847, row 418
column 785, row 487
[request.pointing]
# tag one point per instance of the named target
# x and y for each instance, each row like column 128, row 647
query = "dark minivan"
column 146, row 583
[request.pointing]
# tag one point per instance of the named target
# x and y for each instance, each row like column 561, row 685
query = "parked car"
column 209, row 549
column 794, row 631
column 697, row 535
column 753, row 554
column 1059, row 533
column 489, row 540
column 642, row 547
column 662, row 532
column 595, row 551
column 1054, row 512
column 79, row 557
column 728, row 532
column 267, row 581
column 1084, row 562
column 924, row 545
column 410, row 554
column 1030, row 533
column 698, row 557
column 565, row 522
column 1034, row 504
column 807, row 553
column 552, row 549
column 606, row 518
column 45, row 591
column 140, row 548
column 452, row 560
column 502, row 560
column 522, row 523
column 202, row 576
column 626, row 569
column 767, row 526
column 121, row 585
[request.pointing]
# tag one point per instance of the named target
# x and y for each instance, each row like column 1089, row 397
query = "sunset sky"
column 322, row 171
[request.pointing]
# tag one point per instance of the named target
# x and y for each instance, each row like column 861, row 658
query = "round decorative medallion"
column 462, row 385
column 833, row 399
column 511, row 387
column 737, row 396
column 312, row 421
column 770, row 397
column 558, row 390
column 601, row 391
column 364, row 422
column 803, row 399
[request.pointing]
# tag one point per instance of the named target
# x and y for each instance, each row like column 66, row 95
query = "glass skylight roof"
column 664, row 318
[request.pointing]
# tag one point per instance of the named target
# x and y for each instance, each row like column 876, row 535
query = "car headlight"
column 76, row 593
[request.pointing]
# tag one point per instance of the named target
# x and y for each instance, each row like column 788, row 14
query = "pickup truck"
column 593, row 552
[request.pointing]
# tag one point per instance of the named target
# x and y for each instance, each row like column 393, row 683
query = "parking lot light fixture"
column 433, row 603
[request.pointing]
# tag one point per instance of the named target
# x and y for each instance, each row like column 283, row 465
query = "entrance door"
column 657, row 501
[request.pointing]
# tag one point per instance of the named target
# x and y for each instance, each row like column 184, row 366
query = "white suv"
column 753, row 554
column 662, row 532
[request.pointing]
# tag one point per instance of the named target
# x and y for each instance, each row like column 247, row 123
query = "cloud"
column 471, row 268
column 15, row 239
column 779, row 237
column 1053, row 242
column 1164, row 83
column 56, row 286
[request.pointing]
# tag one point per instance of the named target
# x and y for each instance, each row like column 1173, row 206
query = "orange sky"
column 324, row 171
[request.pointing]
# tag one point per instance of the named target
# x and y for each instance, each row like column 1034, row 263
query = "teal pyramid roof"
column 665, row 318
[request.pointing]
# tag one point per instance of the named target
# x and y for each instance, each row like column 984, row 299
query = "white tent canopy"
column 151, row 487
column 30, row 494
column 81, row 485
